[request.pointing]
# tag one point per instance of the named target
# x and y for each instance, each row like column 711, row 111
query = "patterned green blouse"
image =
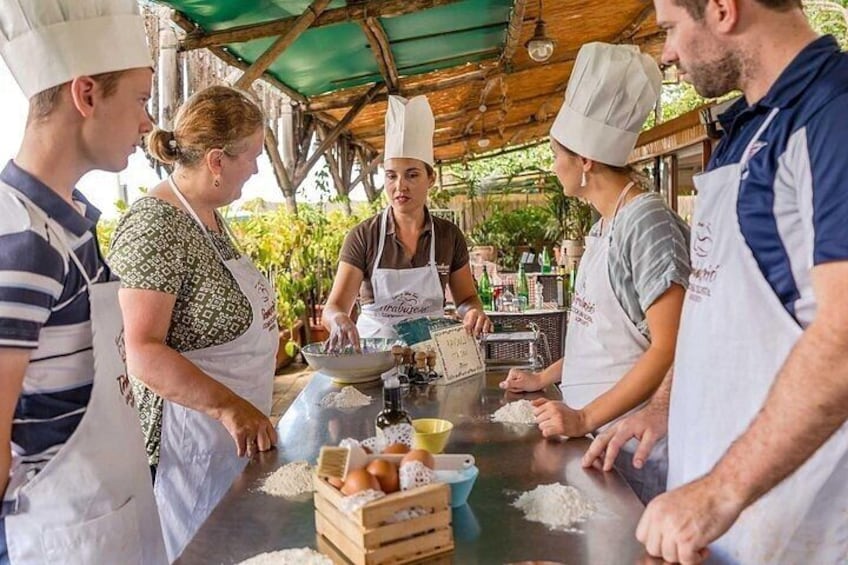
column 157, row 246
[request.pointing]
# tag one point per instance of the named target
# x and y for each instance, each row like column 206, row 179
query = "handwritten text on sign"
column 459, row 353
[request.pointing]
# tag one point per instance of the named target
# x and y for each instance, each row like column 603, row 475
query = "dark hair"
column 623, row 170
column 42, row 104
column 218, row 117
column 697, row 8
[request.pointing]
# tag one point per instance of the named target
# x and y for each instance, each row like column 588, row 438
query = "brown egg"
column 359, row 480
column 386, row 473
column 396, row 448
column 335, row 481
column 419, row 455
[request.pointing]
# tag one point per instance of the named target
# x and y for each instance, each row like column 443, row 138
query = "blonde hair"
column 218, row 117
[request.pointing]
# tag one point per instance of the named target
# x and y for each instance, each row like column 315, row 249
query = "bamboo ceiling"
column 521, row 97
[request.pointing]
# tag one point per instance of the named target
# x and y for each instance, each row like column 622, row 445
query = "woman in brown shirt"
column 400, row 260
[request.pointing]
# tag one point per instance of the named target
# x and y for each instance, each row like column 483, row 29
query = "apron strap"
column 618, row 204
column 382, row 242
column 197, row 219
column 56, row 230
column 380, row 246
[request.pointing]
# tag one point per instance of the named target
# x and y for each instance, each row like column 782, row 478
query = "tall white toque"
column 409, row 129
column 46, row 43
column 611, row 91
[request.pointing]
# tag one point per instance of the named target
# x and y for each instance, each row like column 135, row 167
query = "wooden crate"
column 364, row 537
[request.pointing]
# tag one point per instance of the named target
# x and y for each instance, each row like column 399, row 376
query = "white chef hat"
column 409, row 129
column 46, row 43
column 610, row 93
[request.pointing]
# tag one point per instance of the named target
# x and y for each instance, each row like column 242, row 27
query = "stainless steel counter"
column 512, row 458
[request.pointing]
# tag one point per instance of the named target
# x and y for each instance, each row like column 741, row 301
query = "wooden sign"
column 459, row 353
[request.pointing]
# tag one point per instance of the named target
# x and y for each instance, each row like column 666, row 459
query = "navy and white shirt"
column 44, row 307
column 793, row 200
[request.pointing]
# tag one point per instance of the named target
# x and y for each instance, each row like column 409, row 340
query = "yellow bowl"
column 431, row 434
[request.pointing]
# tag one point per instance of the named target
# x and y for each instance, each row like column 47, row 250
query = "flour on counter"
column 289, row 480
column 518, row 412
column 300, row 556
column 557, row 506
column 347, row 397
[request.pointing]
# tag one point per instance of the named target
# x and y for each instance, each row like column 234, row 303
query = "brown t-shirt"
column 361, row 244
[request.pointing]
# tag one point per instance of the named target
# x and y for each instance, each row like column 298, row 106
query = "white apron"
column 197, row 457
column 401, row 294
column 735, row 335
column 93, row 502
column 601, row 345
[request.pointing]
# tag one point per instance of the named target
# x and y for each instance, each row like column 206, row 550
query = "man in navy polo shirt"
column 756, row 415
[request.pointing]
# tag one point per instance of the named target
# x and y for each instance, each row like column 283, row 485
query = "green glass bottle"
column 484, row 290
column 523, row 289
column 546, row 261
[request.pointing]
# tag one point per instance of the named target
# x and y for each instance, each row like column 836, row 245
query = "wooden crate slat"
column 440, row 541
column 406, row 529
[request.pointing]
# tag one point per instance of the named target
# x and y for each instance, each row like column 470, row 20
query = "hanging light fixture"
column 540, row 47
column 483, row 141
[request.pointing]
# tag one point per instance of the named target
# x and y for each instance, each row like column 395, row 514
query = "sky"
column 102, row 188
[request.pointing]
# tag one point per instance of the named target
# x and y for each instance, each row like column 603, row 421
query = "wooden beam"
column 382, row 49
column 626, row 34
column 189, row 27
column 355, row 12
column 270, row 55
column 366, row 168
column 513, row 33
column 301, row 172
column 505, row 131
column 283, row 179
column 345, row 99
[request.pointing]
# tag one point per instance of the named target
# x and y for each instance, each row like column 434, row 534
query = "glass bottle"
column 484, row 289
column 523, row 290
column 392, row 413
column 560, row 287
column 546, row 261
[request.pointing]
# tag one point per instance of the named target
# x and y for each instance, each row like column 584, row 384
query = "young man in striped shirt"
column 60, row 369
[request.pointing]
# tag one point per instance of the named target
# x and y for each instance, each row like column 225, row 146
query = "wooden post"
column 168, row 83
column 283, row 180
column 302, row 171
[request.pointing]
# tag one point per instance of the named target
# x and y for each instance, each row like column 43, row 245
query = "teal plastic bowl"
column 461, row 483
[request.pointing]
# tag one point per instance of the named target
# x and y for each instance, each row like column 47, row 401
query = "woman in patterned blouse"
column 200, row 320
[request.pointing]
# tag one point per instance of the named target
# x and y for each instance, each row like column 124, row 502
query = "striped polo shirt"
column 793, row 197
column 44, row 307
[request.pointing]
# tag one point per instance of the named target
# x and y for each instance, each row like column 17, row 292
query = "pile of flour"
column 289, row 480
column 557, row 506
column 347, row 397
column 518, row 412
column 300, row 556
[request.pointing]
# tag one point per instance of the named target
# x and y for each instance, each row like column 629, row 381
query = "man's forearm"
column 806, row 405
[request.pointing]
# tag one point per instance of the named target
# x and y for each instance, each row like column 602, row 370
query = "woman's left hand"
column 476, row 322
column 556, row 419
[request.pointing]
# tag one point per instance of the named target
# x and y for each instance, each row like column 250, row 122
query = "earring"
column 217, row 182
column 583, row 180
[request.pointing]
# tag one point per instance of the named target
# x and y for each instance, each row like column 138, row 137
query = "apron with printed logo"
column 602, row 344
column 401, row 294
column 735, row 336
column 93, row 502
column 197, row 456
